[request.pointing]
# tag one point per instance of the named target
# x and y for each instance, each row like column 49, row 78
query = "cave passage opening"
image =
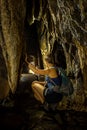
column 32, row 43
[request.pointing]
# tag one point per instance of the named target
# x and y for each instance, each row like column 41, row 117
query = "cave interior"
column 34, row 28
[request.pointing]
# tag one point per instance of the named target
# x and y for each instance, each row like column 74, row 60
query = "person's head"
column 49, row 59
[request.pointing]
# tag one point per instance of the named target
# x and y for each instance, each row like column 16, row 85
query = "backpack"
column 66, row 87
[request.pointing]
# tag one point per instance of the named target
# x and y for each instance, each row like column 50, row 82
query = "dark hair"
column 49, row 58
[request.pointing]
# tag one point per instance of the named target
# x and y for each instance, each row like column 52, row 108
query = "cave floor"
column 23, row 112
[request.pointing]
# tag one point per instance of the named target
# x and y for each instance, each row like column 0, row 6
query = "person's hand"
column 31, row 65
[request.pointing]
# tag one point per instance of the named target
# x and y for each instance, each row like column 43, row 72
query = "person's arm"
column 38, row 71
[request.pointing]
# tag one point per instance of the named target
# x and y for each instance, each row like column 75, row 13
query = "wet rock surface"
column 22, row 112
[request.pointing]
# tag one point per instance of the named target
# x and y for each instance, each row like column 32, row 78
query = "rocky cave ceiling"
column 58, row 26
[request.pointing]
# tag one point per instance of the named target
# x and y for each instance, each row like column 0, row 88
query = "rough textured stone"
column 12, row 26
column 61, row 22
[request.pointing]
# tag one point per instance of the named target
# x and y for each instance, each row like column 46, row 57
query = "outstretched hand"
column 31, row 66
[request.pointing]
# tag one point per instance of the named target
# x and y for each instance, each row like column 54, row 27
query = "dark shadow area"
column 22, row 112
column 32, row 43
column 58, row 54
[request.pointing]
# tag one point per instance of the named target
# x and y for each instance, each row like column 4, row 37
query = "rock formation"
column 60, row 27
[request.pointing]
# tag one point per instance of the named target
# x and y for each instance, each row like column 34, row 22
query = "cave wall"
column 12, row 14
column 61, row 22
column 65, row 22
column 4, row 85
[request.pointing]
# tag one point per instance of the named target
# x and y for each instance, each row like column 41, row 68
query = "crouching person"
column 43, row 91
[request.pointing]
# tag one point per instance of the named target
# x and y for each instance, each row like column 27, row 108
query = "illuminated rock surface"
column 60, row 27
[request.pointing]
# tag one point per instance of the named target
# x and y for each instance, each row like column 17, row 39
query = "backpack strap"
column 56, row 87
column 53, row 82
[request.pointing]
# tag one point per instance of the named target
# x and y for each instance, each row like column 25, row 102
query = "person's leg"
column 38, row 97
column 38, row 91
column 39, row 82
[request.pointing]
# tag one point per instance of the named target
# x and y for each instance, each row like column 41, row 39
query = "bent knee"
column 36, row 85
column 33, row 83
